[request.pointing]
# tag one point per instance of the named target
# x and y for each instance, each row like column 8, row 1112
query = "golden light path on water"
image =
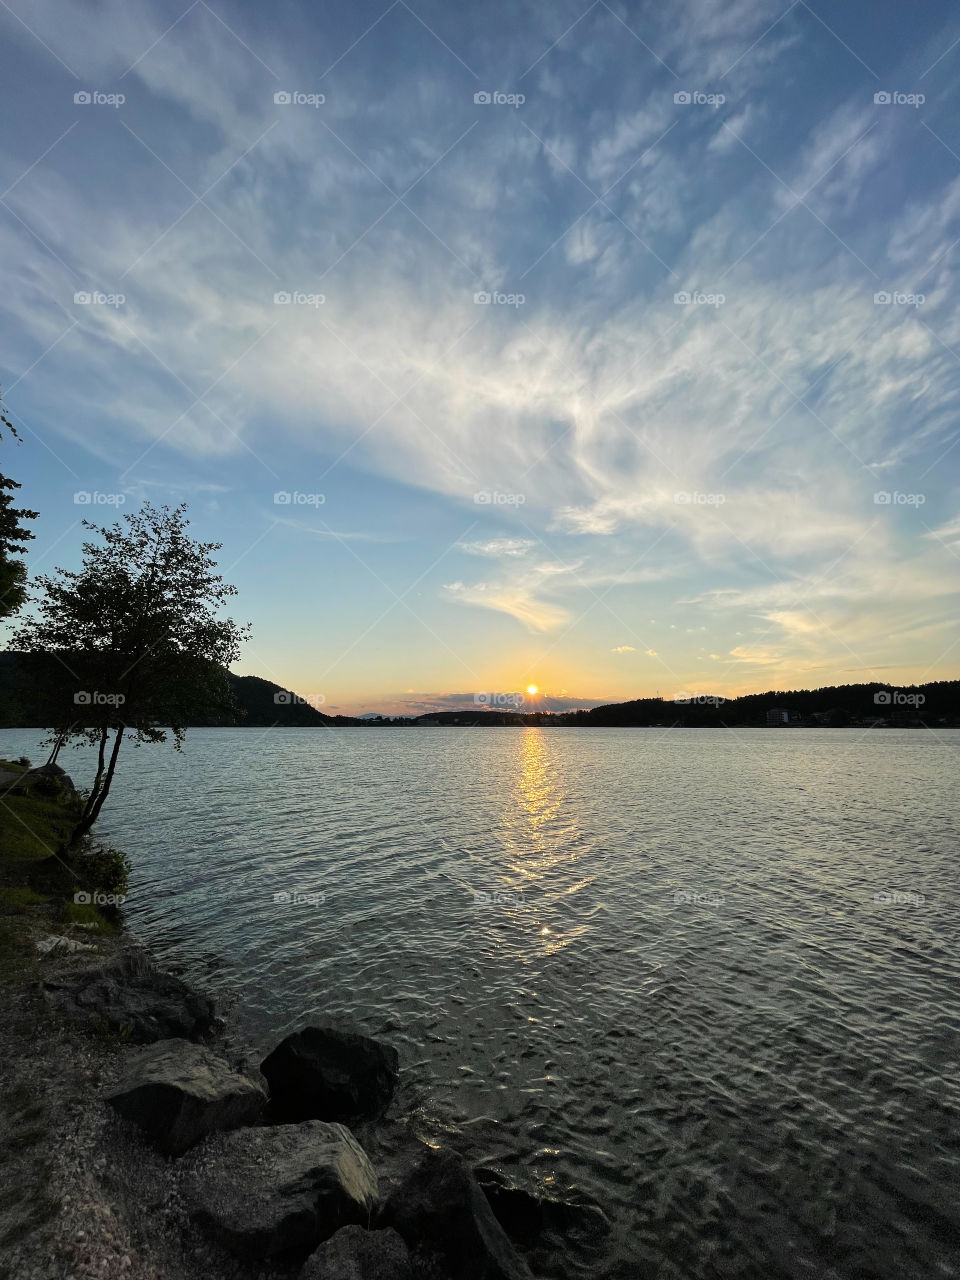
column 541, row 836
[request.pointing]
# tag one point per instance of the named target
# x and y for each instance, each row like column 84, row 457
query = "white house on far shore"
column 778, row 715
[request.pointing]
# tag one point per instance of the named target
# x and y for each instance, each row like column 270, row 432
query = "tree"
column 13, row 537
column 132, row 643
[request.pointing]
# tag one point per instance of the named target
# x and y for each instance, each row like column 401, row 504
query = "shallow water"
column 707, row 978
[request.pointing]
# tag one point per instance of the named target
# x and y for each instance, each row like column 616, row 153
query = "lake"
column 706, row 978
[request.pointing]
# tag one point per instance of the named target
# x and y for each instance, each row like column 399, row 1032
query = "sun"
column 532, row 689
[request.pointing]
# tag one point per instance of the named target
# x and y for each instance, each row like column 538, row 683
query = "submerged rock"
column 264, row 1191
column 178, row 1092
column 526, row 1216
column 439, row 1209
column 134, row 997
column 322, row 1074
column 354, row 1253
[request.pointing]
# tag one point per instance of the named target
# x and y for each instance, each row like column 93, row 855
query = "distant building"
column 778, row 715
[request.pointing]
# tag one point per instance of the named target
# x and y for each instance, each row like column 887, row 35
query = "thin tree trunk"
column 60, row 740
column 92, row 812
column 95, row 789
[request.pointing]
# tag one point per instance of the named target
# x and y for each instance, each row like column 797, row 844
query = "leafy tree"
column 13, row 537
column 132, row 643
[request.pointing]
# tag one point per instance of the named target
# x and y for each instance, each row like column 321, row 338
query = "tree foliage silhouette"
column 13, row 536
column 132, row 644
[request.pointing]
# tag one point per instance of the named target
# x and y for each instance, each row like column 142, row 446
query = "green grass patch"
column 38, row 880
column 15, row 899
column 14, row 766
column 34, row 827
column 80, row 913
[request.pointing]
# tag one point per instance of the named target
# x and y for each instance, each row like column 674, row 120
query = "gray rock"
column 264, row 1191
column 132, row 996
column 322, row 1074
column 55, row 773
column 51, row 942
column 178, row 1092
column 440, row 1210
column 356, row 1254
column 47, row 779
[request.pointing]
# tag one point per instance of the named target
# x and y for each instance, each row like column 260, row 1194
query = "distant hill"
column 265, row 703
column 261, row 703
column 834, row 706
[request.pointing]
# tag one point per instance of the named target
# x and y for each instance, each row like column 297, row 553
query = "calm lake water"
column 707, row 978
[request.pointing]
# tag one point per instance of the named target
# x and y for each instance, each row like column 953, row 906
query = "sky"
column 607, row 348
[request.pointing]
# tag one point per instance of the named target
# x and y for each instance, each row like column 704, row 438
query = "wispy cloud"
column 719, row 455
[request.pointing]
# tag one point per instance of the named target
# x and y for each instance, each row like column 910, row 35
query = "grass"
column 37, row 877
column 34, row 827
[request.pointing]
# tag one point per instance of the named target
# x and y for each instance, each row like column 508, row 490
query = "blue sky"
column 586, row 482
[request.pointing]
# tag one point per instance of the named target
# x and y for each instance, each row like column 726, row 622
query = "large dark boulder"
column 264, row 1191
column 356, row 1254
column 48, row 779
column 177, row 1092
column 322, row 1074
column 52, row 773
column 440, row 1210
column 131, row 996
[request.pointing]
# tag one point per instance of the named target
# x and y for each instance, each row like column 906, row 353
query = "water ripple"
column 710, row 982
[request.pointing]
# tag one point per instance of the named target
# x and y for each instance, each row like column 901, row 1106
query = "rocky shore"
column 141, row 1142
column 140, row 1137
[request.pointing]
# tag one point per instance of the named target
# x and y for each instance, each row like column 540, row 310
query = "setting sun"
column 532, row 688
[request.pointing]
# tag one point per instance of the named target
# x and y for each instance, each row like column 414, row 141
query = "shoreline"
column 91, row 1196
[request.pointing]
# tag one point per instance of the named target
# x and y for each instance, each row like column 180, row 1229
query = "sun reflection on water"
column 544, row 841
